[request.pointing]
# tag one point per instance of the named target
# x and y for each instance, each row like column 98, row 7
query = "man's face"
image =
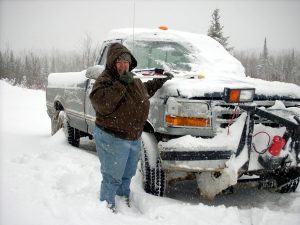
column 122, row 66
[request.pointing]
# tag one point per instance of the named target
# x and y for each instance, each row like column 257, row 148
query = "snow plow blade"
column 218, row 168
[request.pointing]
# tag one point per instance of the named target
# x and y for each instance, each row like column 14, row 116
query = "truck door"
column 90, row 114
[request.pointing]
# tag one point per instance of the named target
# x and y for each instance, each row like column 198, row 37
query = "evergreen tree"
column 290, row 66
column 215, row 30
column 264, row 68
column 2, row 66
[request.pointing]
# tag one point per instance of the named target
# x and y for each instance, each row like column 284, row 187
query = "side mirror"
column 94, row 71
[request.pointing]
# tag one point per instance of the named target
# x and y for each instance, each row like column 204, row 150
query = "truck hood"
column 207, row 85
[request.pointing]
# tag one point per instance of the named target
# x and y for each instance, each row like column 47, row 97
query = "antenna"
column 133, row 25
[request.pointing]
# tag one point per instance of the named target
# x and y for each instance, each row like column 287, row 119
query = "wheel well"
column 148, row 127
column 58, row 106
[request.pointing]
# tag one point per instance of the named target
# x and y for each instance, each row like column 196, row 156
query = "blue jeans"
column 119, row 159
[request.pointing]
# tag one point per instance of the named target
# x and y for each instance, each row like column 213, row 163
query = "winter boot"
column 127, row 201
column 112, row 208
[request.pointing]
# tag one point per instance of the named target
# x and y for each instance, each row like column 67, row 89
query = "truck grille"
column 224, row 113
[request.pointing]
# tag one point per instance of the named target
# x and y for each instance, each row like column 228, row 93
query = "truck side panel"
column 69, row 91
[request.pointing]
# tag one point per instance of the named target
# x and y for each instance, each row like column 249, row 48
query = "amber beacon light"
column 163, row 28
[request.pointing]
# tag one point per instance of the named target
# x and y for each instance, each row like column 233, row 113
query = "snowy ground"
column 45, row 181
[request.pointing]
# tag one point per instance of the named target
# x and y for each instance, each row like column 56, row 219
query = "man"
column 122, row 106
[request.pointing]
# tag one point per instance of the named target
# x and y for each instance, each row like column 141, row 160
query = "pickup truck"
column 210, row 123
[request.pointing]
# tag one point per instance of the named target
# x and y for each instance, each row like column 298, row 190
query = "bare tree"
column 285, row 65
column 89, row 51
column 249, row 60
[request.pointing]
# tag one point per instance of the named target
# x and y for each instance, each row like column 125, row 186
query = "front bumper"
column 196, row 154
column 195, row 161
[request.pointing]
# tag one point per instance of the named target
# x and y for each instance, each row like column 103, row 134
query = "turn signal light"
column 187, row 121
column 163, row 28
column 237, row 95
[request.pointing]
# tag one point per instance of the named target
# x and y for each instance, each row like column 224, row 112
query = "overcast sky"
column 64, row 24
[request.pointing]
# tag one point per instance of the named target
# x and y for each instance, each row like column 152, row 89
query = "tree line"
column 279, row 66
column 31, row 69
column 283, row 66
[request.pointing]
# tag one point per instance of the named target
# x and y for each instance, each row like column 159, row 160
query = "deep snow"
column 45, row 181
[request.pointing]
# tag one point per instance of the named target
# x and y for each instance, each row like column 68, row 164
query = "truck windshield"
column 160, row 54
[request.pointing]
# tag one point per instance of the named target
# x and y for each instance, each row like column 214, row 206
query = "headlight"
column 190, row 113
column 237, row 95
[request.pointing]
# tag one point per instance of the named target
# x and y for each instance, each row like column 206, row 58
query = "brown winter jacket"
column 122, row 110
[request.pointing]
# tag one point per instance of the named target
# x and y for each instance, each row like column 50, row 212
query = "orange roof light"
column 163, row 28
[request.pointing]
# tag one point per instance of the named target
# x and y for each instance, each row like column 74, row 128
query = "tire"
column 154, row 178
column 160, row 178
column 72, row 134
column 146, row 172
column 288, row 181
column 290, row 187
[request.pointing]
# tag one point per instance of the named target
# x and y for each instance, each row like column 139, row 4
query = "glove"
column 169, row 75
column 126, row 78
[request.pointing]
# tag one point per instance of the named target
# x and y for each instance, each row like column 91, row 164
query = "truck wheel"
column 72, row 134
column 146, row 171
column 291, row 186
column 288, row 182
column 153, row 175
column 160, row 179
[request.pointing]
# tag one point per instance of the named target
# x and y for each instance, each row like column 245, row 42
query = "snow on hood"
column 199, row 87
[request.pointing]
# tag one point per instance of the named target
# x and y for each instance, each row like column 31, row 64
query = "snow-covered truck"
column 210, row 123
